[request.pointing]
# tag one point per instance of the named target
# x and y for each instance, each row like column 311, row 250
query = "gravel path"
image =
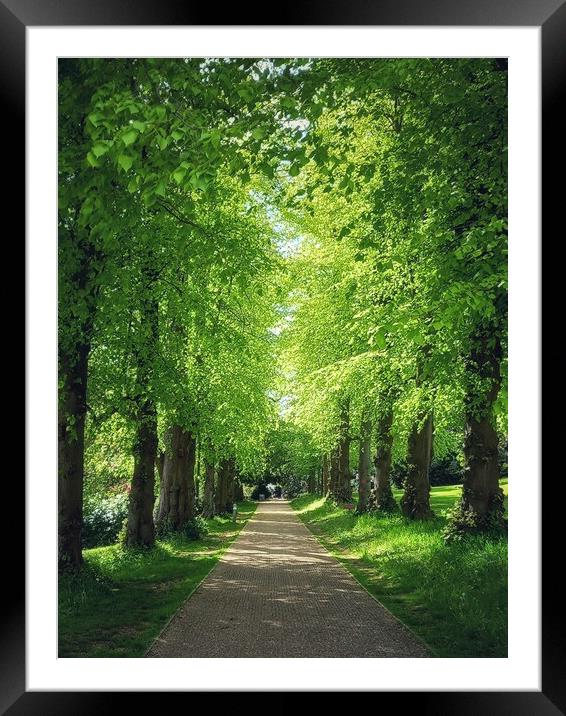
column 277, row 592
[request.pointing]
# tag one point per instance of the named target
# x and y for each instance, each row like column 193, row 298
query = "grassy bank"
column 454, row 597
column 122, row 599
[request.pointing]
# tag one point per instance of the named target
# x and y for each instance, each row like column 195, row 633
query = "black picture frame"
column 550, row 15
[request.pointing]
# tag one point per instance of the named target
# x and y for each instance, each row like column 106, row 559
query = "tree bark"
column 382, row 495
column 177, row 492
column 71, row 436
column 333, row 474
column 208, row 499
column 481, row 507
column 230, row 480
column 221, row 492
column 344, row 474
column 312, row 481
column 415, row 502
column 238, row 490
column 325, row 475
column 141, row 529
column 160, row 460
column 78, row 284
column 363, row 465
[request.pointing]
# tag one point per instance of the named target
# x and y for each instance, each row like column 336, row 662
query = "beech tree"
column 253, row 250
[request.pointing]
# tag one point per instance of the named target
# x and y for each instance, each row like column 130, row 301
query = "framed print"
column 267, row 308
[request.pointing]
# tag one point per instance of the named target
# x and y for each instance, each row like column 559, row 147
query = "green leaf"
column 94, row 118
column 99, row 149
column 161, row 188
column 130, row 137
column 199, row 182
column 125, row 161
column 92, row 160
column 179, row 174
column 380, row 340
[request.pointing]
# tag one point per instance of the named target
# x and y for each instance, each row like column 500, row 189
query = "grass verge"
column 121, row 599
column 454, row 597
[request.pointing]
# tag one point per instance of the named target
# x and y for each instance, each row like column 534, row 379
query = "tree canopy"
column 268, row 266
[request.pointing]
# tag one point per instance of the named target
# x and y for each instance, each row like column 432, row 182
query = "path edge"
column 335, row 556
column 194, row 589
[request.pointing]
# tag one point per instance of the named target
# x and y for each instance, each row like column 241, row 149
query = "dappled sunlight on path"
column 278, row 593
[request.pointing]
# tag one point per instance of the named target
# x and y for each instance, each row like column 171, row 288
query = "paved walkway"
column 277, row 592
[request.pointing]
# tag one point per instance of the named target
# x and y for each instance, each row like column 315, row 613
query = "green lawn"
column 454, row 597
column 121, row 600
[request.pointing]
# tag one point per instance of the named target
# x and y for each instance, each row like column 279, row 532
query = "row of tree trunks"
column 177, row 489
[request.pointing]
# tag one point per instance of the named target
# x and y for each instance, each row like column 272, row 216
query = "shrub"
column 103, row 519
column 192, row 529
column 163, row 528
column 195, row 528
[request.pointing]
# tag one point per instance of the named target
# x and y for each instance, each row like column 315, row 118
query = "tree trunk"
column 312, row 481
column 208, row 499
column 196, row 471
column 238, row 490
column 481, row 508
column 325, row 475
column 177, row 492
column 334, row 472
column 382, row 494
column 344, row 475
column 71, row 433
column 363, row 465
column 230, row 479
column 221, row 492
column 141, row 530
column 78, row 287
column 415, row 502
column 160, row 463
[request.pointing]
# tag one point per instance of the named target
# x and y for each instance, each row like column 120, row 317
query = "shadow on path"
column 277, row 592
